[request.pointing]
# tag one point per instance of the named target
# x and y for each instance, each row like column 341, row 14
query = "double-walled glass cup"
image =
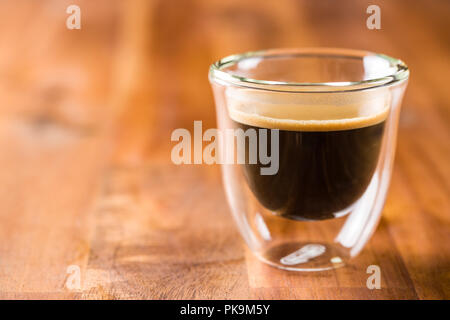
column 312, row 136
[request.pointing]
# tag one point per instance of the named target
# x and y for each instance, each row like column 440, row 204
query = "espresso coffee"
column 320, row 173
column 325, row 165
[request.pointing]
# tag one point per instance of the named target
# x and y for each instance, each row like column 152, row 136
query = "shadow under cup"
column 313, row 141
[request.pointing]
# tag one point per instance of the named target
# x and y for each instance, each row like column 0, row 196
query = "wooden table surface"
column 86, row 177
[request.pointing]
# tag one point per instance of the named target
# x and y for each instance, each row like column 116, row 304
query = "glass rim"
column 218, row 75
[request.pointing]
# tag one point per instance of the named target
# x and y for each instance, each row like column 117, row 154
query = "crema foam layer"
column 331, row 111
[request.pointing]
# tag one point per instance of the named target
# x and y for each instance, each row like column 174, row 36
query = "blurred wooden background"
column 85, row 172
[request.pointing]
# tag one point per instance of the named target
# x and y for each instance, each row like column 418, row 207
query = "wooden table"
column 86, row 177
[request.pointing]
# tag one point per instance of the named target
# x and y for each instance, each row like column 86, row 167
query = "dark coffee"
column 320, row 172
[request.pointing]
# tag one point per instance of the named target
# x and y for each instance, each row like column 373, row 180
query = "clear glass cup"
column 328, row 120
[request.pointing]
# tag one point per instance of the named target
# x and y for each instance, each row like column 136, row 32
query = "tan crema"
column 329, row 111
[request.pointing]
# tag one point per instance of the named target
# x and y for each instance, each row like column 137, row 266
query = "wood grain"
column 85, row 123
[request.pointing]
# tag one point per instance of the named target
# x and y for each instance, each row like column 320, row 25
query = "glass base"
column 304, row 256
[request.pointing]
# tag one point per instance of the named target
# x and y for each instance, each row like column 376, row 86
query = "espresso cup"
column 310, row 148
